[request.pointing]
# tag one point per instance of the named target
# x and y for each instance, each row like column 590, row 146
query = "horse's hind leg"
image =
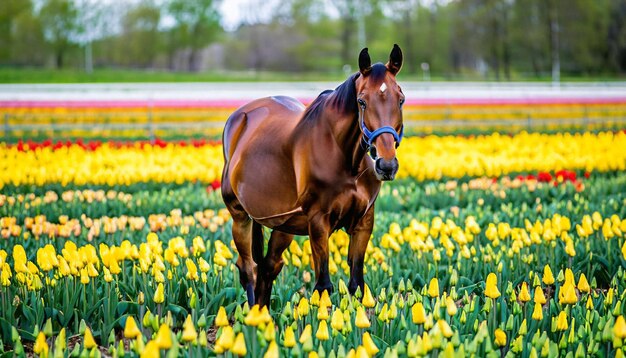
column 271, row 265
column 319, row 230
column 359, row 237
column 242, row 235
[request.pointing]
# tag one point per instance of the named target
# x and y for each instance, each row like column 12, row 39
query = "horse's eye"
column 401, row 102
column 362, row 103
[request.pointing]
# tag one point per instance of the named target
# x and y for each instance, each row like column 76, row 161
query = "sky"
column 232, row 12
column 235, row 12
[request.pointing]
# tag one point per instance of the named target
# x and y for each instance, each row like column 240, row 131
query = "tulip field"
column 485, row 245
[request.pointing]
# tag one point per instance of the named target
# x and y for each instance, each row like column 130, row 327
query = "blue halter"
column 369, row 136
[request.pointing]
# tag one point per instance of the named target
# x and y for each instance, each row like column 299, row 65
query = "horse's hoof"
column 353, row 286
column 322, row 288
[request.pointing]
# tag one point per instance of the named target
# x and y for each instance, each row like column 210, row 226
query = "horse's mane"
column 343, row 98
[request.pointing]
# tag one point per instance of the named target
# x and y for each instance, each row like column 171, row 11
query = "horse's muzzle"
column 386, row 169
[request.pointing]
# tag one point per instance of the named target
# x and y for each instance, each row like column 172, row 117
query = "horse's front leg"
column 359, row 238
column 319, row 230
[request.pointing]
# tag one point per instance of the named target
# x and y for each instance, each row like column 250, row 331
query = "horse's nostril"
column 386, row 168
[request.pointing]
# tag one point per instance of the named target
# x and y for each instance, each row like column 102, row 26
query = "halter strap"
column 369, row 136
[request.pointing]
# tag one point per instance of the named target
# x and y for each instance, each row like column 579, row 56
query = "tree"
column 616, row 52
column 95, row 20
column 528, row 38
column 314, row 36
column 10, row 11
column 197, row 25
column 140, row 41
column 348, row 11
column 29, row 45
column 59, row 21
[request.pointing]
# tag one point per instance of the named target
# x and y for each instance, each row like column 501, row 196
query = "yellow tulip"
column 89, row 342
column 561, row 322
column 491, row 289
column 41, row 346
column 418, row 313
column 524, row 295
column 583, row 285
column 322, row 312
column 369, row 344
column 538, row 312
column 265, row 315
column 610, row 295
column 60, row 342
column 427, row 343
column 451, row 308
column 269, row 333
column 84, row 277
column 163, row 338
column 567, row 294
column 361, row 318
column 336, row 322
column 368, row 299
column 539, row 296
column 239, row 347
column 361, row 352
column 314, row 300
column 325, row 299
column 272, row 351
column 619, row 329
column 303, row 307
column 226, row 339
column 548, row 278
column 445, row 328
column 130, row 328
column 150, row 350
column 433, row 288
column 254, row 317
column 523, row 329
column 306, row 334
column 322, row 331
column 192, row 270
column 290, row 338
column 500, row 338
column 189, row 330
column 159, row 294
column 222, row 319
column 569, row 248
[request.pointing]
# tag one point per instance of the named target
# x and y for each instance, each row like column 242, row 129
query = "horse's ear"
column 395, row 60
column 365, row 62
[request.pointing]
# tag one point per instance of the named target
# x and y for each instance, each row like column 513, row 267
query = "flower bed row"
column 534, row 290
column 424, row 158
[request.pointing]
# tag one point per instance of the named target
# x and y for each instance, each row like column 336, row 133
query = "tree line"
column 495, row 39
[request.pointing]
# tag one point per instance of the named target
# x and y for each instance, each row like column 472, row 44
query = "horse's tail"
column 258, row 242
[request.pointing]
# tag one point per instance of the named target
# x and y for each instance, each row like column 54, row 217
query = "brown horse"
column 306, row 172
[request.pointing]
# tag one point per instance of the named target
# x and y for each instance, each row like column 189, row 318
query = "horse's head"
column 380, row 100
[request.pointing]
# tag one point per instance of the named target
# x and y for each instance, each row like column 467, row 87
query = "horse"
column 311, row 171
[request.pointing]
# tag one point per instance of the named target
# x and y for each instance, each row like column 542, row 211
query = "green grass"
column 102, row 75
column 38, row 75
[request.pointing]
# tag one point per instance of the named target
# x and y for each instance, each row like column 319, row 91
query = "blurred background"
column 527, row 62
column 463, row 39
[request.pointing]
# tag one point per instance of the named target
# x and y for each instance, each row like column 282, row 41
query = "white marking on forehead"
column 383, row 87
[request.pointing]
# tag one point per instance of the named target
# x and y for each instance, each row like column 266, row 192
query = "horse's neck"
column 347, row 135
